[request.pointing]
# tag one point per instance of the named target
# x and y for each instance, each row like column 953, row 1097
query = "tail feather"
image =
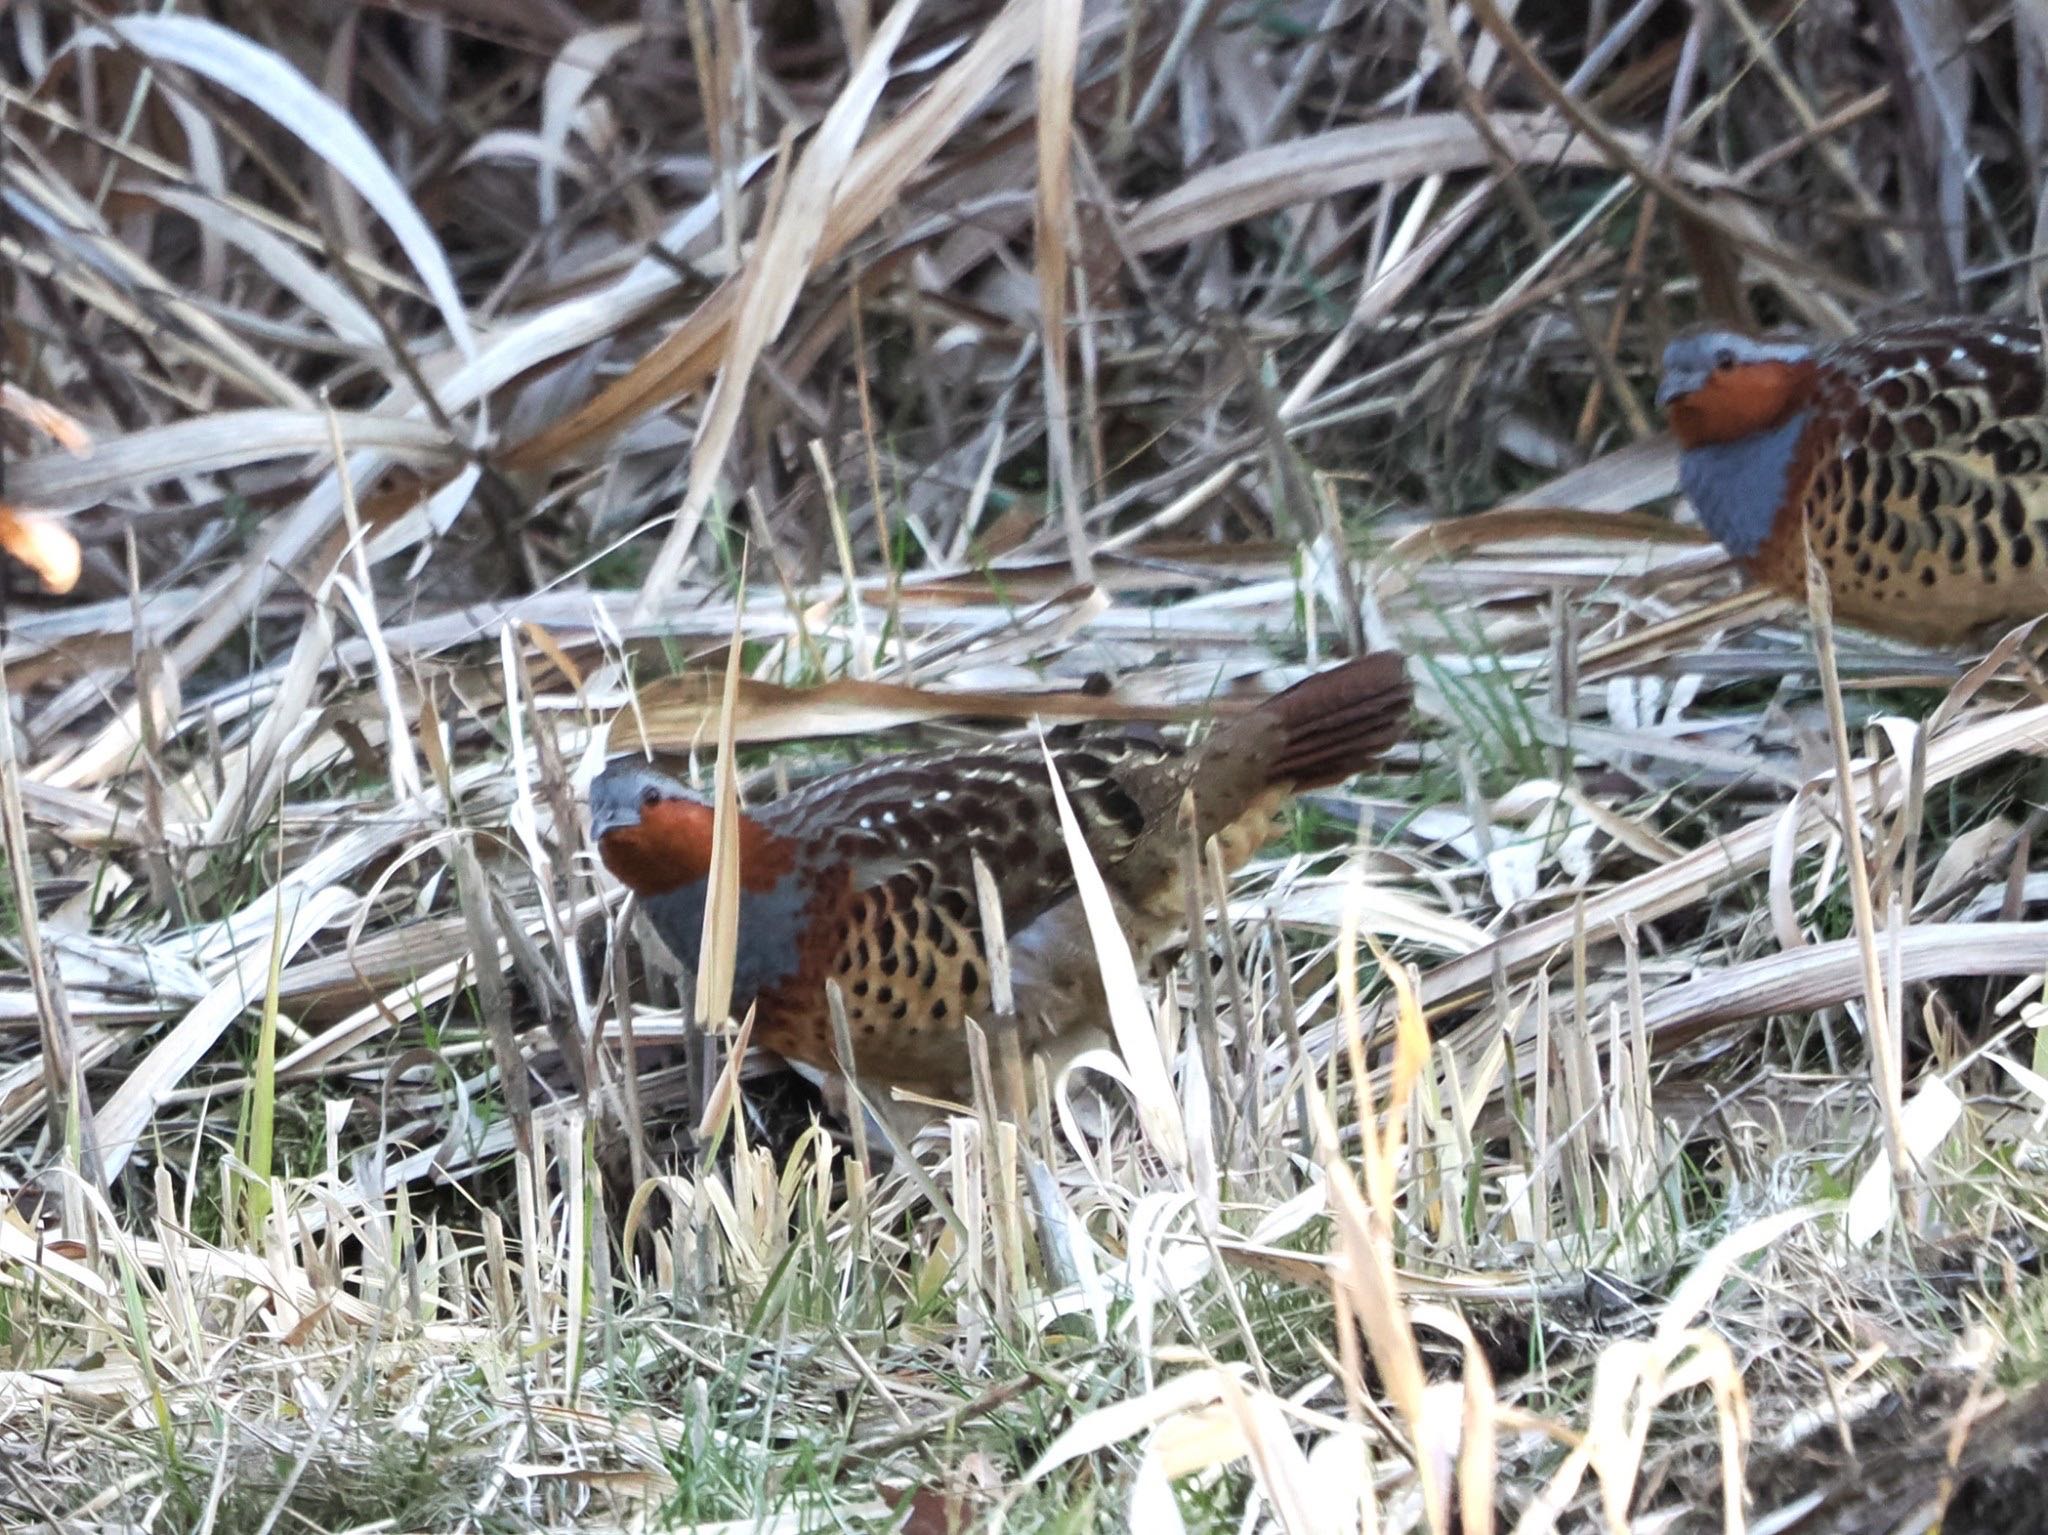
column 1336, row 723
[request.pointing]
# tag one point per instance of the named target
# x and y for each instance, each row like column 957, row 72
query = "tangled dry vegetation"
column 407, row 393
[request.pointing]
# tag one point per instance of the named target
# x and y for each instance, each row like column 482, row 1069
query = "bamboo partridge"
column 1915, row 457
column 865, row 876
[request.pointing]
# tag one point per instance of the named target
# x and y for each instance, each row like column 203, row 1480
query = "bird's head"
column 655, row 835
column 1720, row 386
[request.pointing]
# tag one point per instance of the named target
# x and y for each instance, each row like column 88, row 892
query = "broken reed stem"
column 1884, row 1058
column 842, row 1044
column 1208, row 1033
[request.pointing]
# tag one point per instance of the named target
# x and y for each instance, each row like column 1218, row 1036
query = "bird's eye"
column 649, row 796
column 1724, row 358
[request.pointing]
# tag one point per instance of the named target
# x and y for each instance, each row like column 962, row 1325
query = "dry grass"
column 1580, row 1125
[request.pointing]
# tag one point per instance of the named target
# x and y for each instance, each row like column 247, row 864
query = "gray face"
column 771, row 921
column 1689, row 361
column 623, row 789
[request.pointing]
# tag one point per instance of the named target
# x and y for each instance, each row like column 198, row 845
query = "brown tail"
column 1329, row 726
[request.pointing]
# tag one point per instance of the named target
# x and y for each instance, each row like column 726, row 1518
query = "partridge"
column 866, row 876
column 1915, row 458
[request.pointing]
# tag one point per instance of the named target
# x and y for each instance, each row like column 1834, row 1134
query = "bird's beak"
column 611, row 810
column 1675, row 387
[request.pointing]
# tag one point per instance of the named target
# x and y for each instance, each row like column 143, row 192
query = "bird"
column 1914, row 457
column 865, row 876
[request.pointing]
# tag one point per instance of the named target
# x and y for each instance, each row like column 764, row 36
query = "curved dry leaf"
column 1382, row 911
column 227, row 439
column 209, row 170
column 1928, row 1117
column 60, row 427
column 268, row 81
column 569, row 78
column 1829, row 974
column 1114, row 1422
column 1130, row 1020
column 278, row 257
column 681, row 712
column 1614, row 482
column 1370, row 154
column 1436, row 540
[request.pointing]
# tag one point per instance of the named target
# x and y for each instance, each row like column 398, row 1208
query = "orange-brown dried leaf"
column 43, row 544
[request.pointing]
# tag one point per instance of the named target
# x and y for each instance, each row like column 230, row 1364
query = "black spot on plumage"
column 1945, row 415
column 1927, row 575
column 1918, row 431
column 1896, row 535
column 1862, row 564
column 970, row 978
column 884, row 995
column 1116, row 805
column 939, row 1011
column 890, row 964
column 1082, row 765
column 900, row 1011
column 1855, row 520
column 934, row 925
column 953, row 903
column 2012, row 512
column 1890, row 393
column 1930, row 494
column 1987, row 549
column 1882, row 435
column 2012, row 509
column 860, row 988
column 930, row 977
column 2022, row 551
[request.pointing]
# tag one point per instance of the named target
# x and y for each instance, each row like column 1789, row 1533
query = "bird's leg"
column 876, row 1122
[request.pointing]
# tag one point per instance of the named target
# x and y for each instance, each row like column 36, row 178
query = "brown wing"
column 897, row 839
column 908, row 950
column 1927, row 490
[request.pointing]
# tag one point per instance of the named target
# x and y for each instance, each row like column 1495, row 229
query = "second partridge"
column 865, row 876
column 1915, row 458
